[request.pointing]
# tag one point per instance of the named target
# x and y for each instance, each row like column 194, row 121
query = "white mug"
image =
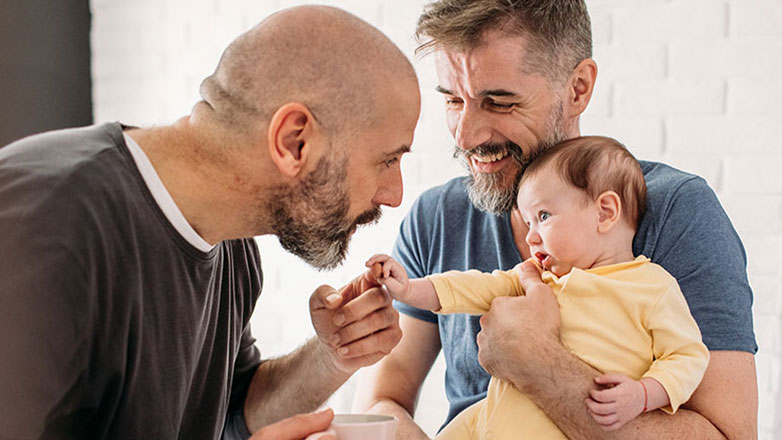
column 361, row 427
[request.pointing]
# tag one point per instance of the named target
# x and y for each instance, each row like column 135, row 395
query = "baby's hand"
column 613, row 407
column 529, row 275
column 391, row 275
column 377, row 270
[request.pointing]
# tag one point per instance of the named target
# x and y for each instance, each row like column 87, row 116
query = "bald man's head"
column 334, row 63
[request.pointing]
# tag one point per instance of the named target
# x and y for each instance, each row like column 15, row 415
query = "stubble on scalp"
column 336, row 65
column 325, row 58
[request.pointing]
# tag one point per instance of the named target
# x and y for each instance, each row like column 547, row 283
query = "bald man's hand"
column 357, row 325
column 298, row 427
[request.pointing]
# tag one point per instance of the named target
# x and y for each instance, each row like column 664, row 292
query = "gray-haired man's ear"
column 579, row 87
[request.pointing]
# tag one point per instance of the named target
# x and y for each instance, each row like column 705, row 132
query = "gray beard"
column 311, row 218
column 489, row 192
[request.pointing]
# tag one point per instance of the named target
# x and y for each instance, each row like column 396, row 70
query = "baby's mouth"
column 543, row 258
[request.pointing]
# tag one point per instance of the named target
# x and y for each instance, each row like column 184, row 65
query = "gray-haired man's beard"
column 311, row 219
column 490, row 191
column 496, row 192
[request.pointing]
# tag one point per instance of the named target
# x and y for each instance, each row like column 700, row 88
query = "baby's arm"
column 680, row 361
column 417, row 293
column 624, row 399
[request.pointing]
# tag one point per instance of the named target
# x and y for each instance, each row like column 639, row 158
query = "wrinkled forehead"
column 482, row 70
column 502, row 59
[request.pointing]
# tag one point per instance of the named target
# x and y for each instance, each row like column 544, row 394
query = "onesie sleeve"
column 680, row 357
column 472, row 291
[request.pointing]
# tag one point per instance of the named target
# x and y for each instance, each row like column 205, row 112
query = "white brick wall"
column 689, row 82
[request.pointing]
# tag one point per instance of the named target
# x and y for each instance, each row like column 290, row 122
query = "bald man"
column 130, row 274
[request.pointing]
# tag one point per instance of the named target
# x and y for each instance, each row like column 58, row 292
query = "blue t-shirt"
column 685, row 230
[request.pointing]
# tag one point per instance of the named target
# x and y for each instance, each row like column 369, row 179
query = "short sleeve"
column 44, row 349
column 694, row 240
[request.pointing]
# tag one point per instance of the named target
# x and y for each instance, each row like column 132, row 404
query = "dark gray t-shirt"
column 685, row 230
column 113, row 326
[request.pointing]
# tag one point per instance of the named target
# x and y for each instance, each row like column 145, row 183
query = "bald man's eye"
column 390, row 162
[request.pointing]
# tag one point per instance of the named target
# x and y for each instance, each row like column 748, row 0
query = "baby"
column 625, row 316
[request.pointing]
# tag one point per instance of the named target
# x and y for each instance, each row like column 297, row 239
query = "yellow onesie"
column 630, row 318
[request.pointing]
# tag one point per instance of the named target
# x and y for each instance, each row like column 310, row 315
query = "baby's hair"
column 596, row 164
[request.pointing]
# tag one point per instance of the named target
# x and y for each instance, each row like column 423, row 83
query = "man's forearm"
column 296, row 383
column 562, row 388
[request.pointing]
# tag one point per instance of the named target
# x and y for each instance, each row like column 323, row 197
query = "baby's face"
column 562, row 221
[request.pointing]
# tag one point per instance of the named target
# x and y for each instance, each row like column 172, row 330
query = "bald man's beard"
column 311, row 220
column 496, row 192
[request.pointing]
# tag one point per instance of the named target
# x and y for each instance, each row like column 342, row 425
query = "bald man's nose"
column 390, row 190
column 471, row 129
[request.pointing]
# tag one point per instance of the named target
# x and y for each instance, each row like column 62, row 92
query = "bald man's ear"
column 609, row 206
column 291, row 131
column 580, row 86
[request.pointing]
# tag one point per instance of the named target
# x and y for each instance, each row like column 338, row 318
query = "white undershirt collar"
column 163, row 198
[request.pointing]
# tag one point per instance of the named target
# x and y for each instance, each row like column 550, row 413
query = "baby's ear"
column 609, row 206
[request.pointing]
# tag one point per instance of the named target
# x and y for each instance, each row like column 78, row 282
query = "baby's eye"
column 543, row 215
